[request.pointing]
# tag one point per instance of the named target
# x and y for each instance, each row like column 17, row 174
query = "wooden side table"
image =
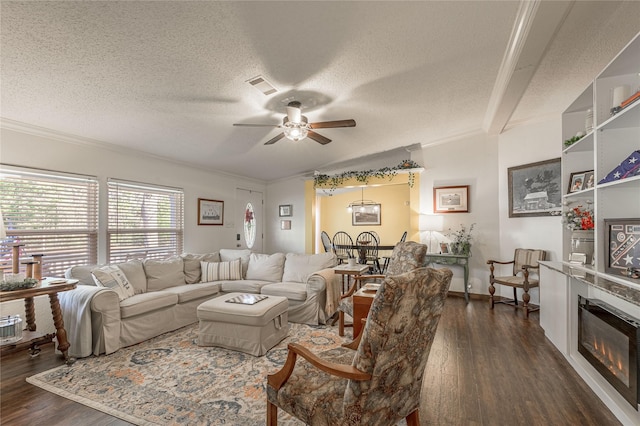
column 349, row 271
column 31, row 338
column 362, row 300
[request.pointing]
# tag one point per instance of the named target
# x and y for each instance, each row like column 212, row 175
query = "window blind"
column 51, row 213
column 144, row 221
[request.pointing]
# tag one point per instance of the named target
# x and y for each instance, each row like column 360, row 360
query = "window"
column 51, row 213
column 249, row 225
column 145, row 221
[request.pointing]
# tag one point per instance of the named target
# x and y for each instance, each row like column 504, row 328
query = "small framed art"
column 580, row 181
column 285, row 225
column 444, row 248
column 451, row 199
column 210, row 212
column 285, row 210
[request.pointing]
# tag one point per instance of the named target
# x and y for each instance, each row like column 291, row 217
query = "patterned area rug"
column 170, row 380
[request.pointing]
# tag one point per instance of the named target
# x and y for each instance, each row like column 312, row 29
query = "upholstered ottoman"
column 250, row 328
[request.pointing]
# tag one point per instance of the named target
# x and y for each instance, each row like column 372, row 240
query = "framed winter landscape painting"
column 534, row 189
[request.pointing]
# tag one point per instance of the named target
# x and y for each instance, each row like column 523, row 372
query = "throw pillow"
column 219, row 271
column 112, row 277
column 298, row 267
column 192, row 272
column 165, row 273
column 134, row 272
column 227, row 255
column 265, row 267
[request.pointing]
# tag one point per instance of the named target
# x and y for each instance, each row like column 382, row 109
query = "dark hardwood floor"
column 485, row 368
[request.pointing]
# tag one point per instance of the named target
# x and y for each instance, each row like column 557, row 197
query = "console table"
column 31, row 338
column 452, row 259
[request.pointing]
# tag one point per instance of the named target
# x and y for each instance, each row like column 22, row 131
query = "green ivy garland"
column 363, row 176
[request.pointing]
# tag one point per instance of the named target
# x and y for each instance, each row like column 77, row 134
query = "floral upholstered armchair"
column 406, row 256
column 379, row 383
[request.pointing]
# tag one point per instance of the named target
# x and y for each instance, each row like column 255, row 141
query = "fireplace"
column 608, row 339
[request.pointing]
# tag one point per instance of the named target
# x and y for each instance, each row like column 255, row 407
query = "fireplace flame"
column 609, row 358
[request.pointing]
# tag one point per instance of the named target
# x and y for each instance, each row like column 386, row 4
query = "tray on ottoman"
column 253, row 329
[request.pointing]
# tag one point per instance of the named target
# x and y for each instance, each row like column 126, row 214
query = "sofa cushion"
column 112, row 277
column 227, row 255
column 146, row 302
column 187, row 293
column 265, row 267
column 218, row 271
column 134, row 271
column 292, row 291
column 243, row 286
column 192, row 271
column 298, row 267
column 165, row 273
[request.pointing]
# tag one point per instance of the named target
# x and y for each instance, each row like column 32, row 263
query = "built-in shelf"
column 601, row 151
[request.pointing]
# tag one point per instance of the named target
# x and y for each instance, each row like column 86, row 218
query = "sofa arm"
column 86, row 312
column 328, row 281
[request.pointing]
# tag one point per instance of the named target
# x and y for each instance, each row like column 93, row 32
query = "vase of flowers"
column 579, row 220
column 461, row 240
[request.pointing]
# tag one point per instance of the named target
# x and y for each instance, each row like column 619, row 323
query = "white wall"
column 472, row 161
column 517, row 146
column 45, row 150
column 289, row 191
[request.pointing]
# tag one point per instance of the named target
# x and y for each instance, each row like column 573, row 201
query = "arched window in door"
column 249, row 225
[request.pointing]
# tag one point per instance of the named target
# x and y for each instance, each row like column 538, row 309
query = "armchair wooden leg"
column 413, row 419
column 492, row 291
column 525, row 303
column 340, row 323
column 272, row 414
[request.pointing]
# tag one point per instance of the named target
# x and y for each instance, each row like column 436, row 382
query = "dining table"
column 362, row 249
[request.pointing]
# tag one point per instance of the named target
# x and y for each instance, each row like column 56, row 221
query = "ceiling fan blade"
column 274, row 140
column 318, row 138
column 332, row 124
column 255, row 125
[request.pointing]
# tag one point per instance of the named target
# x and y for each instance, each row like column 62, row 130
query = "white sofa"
column 163, row 295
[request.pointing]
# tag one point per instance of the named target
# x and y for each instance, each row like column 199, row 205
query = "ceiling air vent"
column 262, row 85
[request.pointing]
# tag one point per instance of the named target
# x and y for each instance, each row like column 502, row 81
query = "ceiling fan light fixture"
column 296, row 131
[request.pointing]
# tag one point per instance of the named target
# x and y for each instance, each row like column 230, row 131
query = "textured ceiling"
column 170, row 78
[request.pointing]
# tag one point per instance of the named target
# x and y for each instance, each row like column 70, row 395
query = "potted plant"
column 461, row 240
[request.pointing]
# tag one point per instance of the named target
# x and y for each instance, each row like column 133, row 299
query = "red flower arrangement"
column 579, row 218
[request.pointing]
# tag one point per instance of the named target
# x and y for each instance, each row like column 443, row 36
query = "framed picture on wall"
column 210, row 212
column 366, row 215
column 534, row 189
column 285, row 225
column 285, row 210
column 451, row 199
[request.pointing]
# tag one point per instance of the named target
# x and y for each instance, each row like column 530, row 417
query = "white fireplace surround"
column 560, row 286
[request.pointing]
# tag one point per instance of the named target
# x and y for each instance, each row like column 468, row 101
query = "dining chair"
column 367, row 246
column 326, row 242
column 379, row 383
column 386, row 259
column 406, row 256
column 376, row 236
column 342, row 246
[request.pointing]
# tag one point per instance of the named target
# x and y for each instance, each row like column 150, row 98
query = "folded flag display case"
column 628, row 168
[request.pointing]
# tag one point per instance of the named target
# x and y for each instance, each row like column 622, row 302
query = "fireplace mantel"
column 561, row 284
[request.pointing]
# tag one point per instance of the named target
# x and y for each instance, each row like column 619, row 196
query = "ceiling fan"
column 296, row 126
